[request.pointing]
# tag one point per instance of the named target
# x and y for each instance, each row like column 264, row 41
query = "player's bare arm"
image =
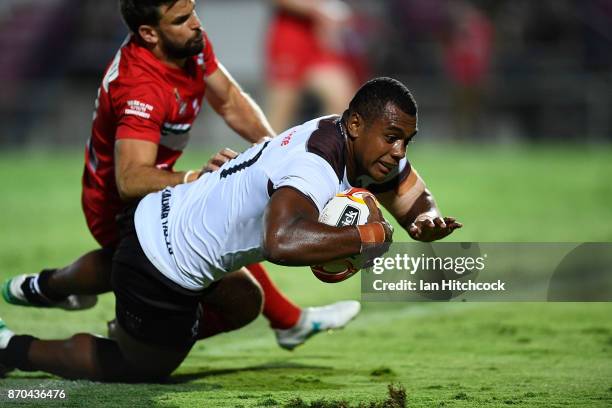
column 415, row 209
column 293, row 235
column 135, row 171
column 136, row 174
column 237, row 108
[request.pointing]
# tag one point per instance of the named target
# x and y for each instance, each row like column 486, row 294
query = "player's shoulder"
column 322, row 138
column 301, row 135
column 138, row 66
column 327, row 139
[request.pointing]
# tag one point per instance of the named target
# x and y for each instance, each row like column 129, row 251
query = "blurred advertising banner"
column 490, row 272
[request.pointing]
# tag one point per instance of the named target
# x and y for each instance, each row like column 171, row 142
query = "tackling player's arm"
column 294, row 237
column 136, row 174
column 135, row 171
column 240, row 112
column 415, row 209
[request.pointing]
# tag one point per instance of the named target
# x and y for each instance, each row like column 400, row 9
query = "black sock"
column 43, row 285
column 36, row 293
column 15, row 355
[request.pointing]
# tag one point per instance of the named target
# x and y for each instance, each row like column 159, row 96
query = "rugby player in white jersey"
column 192, row 241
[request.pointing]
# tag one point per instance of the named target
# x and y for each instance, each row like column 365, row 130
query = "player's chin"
column 378, row 172
column 195, row 47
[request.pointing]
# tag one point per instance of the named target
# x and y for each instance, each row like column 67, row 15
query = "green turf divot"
column 396, row 399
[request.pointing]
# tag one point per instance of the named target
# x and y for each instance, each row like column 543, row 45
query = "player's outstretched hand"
column 219, row 160
column 432, row 229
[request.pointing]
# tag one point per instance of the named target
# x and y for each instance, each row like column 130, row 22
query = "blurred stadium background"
column 503, row 71
column 515, row 129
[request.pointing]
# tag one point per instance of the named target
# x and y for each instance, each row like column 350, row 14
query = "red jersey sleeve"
column 210, row 59
column 141, row 110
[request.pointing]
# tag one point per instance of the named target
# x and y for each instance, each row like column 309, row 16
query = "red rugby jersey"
column 141, row 98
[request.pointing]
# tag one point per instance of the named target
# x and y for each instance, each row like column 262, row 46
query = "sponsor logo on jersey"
column 165, row 211
column 287, row 139
column 138, row 108
column 350, row 216
column 182, row 104
column 196, row 107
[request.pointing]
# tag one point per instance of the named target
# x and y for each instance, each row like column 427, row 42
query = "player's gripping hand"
column 219, row 160
column 427, row 229
column 376, row 235
column 377, row 216
column 213, row 164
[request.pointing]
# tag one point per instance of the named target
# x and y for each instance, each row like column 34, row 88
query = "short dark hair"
column 142, row 12
column 372, row 98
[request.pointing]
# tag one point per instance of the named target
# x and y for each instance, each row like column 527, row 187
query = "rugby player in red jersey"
column 150, row 95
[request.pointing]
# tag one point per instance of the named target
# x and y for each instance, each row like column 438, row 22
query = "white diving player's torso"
column 196, row 233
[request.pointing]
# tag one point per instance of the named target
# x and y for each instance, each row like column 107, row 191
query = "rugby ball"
column 345, row 209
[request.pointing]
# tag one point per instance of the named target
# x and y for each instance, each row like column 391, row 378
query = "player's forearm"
column 246, row 118
column 304, row 243
column 137, row 182
column 424, row 207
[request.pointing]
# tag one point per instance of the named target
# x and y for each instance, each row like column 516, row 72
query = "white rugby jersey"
column 196, row 233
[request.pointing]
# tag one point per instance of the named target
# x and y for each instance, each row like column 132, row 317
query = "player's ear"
column 148, row 34
column 355, row 125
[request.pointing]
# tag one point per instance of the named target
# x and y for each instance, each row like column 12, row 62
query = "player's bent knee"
column 85, row 356
column 251, row 302
column 81, row 357
column 249, row 299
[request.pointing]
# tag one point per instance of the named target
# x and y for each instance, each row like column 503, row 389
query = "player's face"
column 381, row 145
column 180, row 30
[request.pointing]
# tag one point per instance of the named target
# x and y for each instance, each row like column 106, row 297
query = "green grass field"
column 444, row 355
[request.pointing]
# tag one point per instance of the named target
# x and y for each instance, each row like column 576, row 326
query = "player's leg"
column 72, row 287
column 280, row 311
column 283, row 100
column 149, row 342
column 229, row 304
column 292, row 325
column 334, row 84
column 85, row 356
column 286, row 52
column 89, row 275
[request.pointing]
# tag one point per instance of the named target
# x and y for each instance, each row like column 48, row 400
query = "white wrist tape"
column 187, row 175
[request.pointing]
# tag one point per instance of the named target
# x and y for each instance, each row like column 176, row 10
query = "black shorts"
column 149, row 306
